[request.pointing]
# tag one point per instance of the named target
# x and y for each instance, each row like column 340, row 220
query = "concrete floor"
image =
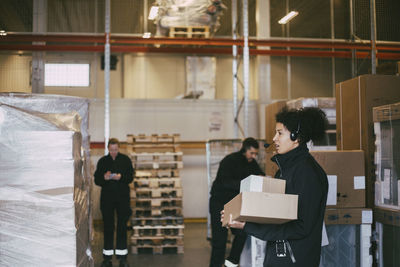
column 196, row 250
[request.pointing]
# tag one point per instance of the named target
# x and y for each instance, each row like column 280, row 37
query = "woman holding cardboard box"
column 298, row 242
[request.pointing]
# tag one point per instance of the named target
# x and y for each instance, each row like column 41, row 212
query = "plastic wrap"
column 200, row 76
column 44, row 193
column 179, row 13
column 387, row 155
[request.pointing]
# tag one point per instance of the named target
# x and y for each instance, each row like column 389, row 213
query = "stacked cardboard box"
column 257, row 191
column 355, row 100
column 156, row 193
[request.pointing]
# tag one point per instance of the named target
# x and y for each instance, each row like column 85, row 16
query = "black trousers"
column 220, row 235
column 108, row 209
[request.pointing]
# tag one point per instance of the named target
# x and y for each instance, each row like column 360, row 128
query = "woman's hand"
column 232, row 223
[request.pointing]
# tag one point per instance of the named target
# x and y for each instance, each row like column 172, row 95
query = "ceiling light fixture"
column 153, row 12
column 288, row 17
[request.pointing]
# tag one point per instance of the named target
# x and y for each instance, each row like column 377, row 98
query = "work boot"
column 106, row 263
column 230, row 264
column 123, row 263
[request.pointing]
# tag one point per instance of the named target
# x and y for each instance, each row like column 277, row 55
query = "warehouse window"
column 76, row 75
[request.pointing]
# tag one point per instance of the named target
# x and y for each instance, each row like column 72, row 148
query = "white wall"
column 190, row 118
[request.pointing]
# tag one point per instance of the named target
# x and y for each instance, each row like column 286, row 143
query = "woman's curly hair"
column 310, row 123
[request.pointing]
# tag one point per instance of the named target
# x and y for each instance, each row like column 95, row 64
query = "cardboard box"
column 355, row 99
column 346, row 177
column 348, row 216
column 261, row 207
column 387, row 216
column 256, row 183
column 270, row 111
column 347, row 184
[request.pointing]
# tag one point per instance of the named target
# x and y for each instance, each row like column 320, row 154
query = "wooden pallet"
column 146, row 165
column 190, row 31
column 160, row 173
column 153, row 139
column 156, row 157
column 138, row 148
column 167, row 230
column 169, row 220
column 157, row 249
column 156, row 240
column 157, row 183
column 156, row 202
column 156, row 193
column 157, row 211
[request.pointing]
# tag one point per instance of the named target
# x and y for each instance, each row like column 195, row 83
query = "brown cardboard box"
column 270, row 111
column 348, row 216
column 261, row 207
column 355, row 99
column 256, row 183
column 348, row 167
column 387, row 216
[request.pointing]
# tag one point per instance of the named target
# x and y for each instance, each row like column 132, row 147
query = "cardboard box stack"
column 156, row 193
column 43, row 188
column 355, row 100
column 262, row 200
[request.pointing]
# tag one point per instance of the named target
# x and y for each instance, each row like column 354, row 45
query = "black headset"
column 294, row 135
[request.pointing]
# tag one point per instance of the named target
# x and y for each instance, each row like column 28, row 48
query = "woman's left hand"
column 232, row 223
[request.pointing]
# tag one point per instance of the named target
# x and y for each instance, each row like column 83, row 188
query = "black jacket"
column 112, row 189
column 232, row 169
column 305, row 178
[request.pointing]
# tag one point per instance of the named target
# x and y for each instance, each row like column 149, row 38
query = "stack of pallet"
column 156, row 194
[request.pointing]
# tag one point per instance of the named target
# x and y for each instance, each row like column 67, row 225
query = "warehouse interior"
column 181, row 83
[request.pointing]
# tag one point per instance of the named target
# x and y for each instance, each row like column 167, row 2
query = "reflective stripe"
column 108, row 252
column 121, row 252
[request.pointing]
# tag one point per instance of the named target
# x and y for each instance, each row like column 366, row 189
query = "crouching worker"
column 232, row 169
column 296, row 243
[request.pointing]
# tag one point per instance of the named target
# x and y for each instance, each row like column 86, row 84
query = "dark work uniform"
column 232, row 169
column 115, row 197
column 302, row 237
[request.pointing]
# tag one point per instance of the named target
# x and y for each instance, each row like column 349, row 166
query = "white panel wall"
column 190, row 118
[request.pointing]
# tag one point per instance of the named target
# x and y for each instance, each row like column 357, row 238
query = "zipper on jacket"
column 290, row 251
column 280, row 168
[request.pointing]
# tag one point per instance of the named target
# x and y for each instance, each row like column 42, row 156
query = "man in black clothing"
column 232, row 169
column 114, row 172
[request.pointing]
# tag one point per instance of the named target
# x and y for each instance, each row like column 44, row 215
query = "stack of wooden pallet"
column 156, row 194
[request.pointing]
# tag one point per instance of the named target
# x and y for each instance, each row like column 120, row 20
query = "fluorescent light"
column 147, row 35
column 288, row 17
column 153, row 12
